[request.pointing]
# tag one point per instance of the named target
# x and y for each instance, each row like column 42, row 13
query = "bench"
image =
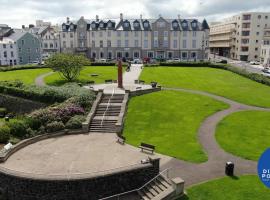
column 109, row 81
column 121, row 139
column 147, row 147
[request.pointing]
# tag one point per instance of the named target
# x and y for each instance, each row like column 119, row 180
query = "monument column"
column 120, row 74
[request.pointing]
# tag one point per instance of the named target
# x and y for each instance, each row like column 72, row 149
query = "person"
column 128, row 67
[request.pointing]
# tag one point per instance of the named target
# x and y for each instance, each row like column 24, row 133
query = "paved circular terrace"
column 75, row 154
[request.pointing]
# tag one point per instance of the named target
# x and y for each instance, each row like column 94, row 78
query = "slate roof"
column 120, row 24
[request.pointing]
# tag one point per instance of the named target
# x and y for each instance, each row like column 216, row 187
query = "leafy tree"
column 68, row 65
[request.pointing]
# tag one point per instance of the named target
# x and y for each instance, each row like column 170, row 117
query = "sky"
column 18, row 12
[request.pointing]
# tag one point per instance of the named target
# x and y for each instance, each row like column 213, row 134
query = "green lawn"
column 170, row 120
column 104, row 73
column 217, row 81
column 245, row 133
column 246, row 187
column 27, row 76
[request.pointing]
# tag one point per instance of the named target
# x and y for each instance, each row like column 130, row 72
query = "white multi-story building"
column 239, row 37
column 137, row 38
column 8, row 52
column 265, row 48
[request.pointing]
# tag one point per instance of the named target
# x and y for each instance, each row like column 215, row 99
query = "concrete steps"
column 107, row 113
column 156, row 189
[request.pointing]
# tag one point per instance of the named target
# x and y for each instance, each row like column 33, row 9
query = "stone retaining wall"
column 17, row 186
column 19, row 105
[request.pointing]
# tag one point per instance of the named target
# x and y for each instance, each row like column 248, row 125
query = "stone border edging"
column 4, row 155
column 120, row 122
column 86, row 124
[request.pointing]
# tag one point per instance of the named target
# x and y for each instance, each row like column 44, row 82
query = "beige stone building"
column 265, row 48
column 239, row 37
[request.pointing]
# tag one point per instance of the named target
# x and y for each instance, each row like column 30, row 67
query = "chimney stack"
column 121, row 16
column 23, row 26
column 67, row 20
column 141, row 16
column 97, row 19
column 179, row 16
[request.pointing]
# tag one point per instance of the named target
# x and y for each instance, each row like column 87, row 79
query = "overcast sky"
column 18, row 12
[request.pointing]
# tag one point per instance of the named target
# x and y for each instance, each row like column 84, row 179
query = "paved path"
column 133, row 74
column 39, row 81
column 217, row 157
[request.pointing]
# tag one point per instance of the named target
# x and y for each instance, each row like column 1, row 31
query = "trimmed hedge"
column 4, row 134
column 185, row 64
column 21, row 67
column 102, row 64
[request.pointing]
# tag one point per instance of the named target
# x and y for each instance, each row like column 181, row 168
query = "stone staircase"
column 159, row 188
column 107, row 113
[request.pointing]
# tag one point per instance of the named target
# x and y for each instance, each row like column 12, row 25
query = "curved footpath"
column 39, row 81
column 217, row 157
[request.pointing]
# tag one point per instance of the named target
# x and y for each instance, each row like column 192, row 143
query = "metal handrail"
column 109, row 103
column 138, row 189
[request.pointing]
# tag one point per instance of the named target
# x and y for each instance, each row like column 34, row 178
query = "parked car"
column 266, row 70
column 137, row 61
column 254, row 62
column 222, row 61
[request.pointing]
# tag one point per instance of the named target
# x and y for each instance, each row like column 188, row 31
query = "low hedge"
column 185, row 64
column 4, row 134
column 21, row 67
column 102, row 63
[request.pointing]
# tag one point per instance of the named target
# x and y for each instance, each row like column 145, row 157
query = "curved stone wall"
column 19, row 186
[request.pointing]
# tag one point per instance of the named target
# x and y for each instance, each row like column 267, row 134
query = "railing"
column 108, row 105
column 117, row 196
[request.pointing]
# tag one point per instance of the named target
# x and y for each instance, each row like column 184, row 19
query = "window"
column 244, row 49
column 184, row 24
column 109, row 25
column 93, row 43
column 101, row 54
column 5, row 54
column 101, row 25
column 175, row 24
column 145, row 34
column 136, row 24
column 20, row 49
column 245, row 41
column 15, row 62
column 64, row 44
column 165, row 44
column 194, row 24
column 256, row 49
column 150, row 54
column 12, row 54
column 184, row 33
column 51, row 45
column 194, row 33
column 118, row 43
column 194, row 44
column 245, row 33
column 126, row 33
column 246, row 17
column 71, row 44
column 170, row 55
column 136, row 33
column 94, row 54
column 28, row 50
column 126, row 55
column 165, row 33
column 119, row 54
column 246, row 25
column 11, row 46
column 64, row 35
column 136, row 54
column 258, row 33
column 155, row 34
column 93, row 34
column 146, row 24
column 93, row 26
column 184, row 44
column 126, row 24
column 184, row 55
column 101, row 43
column 110, row 55
column 145, row 44
column 109, row 43
column 71, row 35
column 175, row 33
column 4, row 46
column 175, row 44
column 161, row 24
column 259, row 16
column 45, row 45
column 257, row 41
column 136, row 43
column 126, row 43
column 118, row 33
column 109, row 33
column 100, row 34
column 155, row 43
column 194, row 55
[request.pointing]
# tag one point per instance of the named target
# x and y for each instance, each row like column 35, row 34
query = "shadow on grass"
column 234, row 177
column 185, row 197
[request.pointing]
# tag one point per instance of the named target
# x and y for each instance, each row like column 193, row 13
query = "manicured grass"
column 245, row 133
column 170, row 121
column 217, row 81
column 246, row 187
column 27, row 76
column 104, row 73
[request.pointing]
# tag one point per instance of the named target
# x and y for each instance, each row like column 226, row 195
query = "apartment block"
column 239, row 37
column 186, row 39
column 265, row 48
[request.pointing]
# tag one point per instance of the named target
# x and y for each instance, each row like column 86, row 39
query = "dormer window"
column 101, row 25
column 184, row 24
column 136, row 24
column 109, row 25
column 175, row 24
column 71, row 26
column 194, row 24
column 126, row 24
column 64, row 27
column 93, row 25
column 146, row 24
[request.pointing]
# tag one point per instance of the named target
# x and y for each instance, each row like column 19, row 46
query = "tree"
column 68, row 65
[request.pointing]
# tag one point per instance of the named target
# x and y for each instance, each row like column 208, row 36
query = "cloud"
column 18, row 12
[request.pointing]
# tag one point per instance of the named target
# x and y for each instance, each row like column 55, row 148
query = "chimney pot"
column 97, row 19
column 121, row 16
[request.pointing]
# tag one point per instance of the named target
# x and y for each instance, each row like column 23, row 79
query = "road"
column 241, row 64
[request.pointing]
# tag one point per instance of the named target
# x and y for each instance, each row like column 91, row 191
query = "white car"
column 137, row 61
column 254, row 62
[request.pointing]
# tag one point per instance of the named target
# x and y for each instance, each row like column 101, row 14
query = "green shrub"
column 55, row 126
column 18, row 128
column 185, row 64
column 103, row 64
column 33, row 123
column 3, row 112
column 4, row 134
column 20, row 67
column 75, row 122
